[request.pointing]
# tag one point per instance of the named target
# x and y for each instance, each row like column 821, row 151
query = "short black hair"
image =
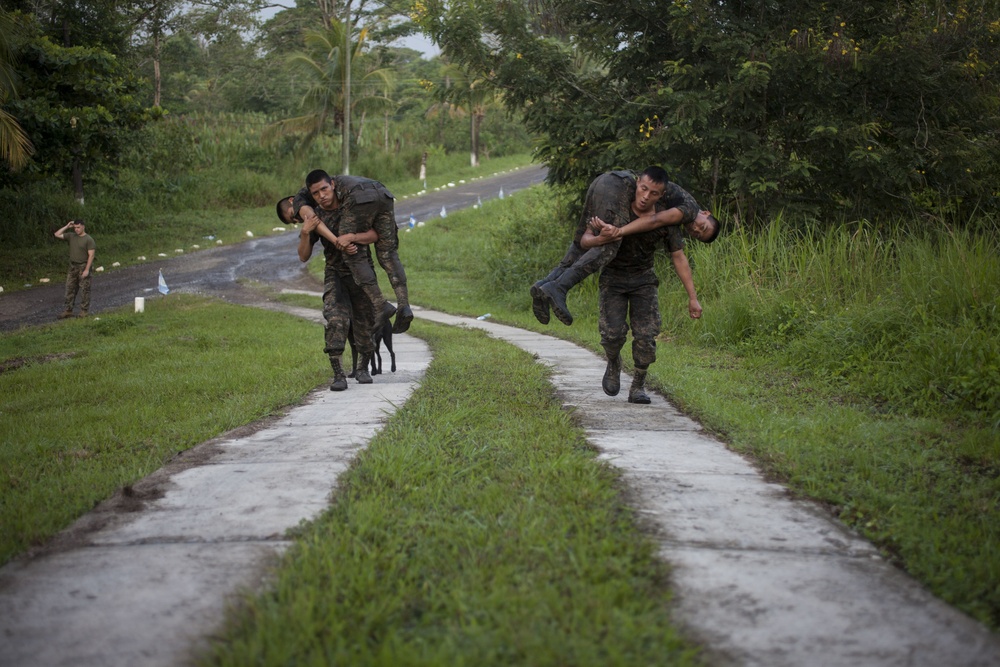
column 715, row 232
column 285, row 206
column 317, row 175
column 656, row 174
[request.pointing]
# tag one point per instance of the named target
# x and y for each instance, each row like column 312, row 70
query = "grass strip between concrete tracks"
column 89, row 406
column 476, row 528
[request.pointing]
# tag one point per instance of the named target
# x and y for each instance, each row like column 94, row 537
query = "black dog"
column 382, row 336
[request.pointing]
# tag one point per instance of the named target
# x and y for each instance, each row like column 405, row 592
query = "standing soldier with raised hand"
column 81, row 258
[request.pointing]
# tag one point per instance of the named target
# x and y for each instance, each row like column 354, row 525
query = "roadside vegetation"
column 869, row 388
column 186, row 227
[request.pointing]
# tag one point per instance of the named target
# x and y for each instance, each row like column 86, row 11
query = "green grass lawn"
column 88, row 406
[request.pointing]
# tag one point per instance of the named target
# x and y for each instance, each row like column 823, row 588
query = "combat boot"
column 339, row 379
column 362, row 375
column 383, row 314
column 404, row 315
column 539, row 305
column 555, row 292
column 636, row 394
column 612, row 375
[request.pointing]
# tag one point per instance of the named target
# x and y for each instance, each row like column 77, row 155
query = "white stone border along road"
column 760, row 578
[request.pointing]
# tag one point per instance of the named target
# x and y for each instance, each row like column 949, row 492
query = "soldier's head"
column 320, row 187
column 286, row 211
column 649, row 188
column 705, row 227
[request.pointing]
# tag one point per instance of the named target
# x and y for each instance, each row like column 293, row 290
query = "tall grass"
column 904, row 318
column 214, row 161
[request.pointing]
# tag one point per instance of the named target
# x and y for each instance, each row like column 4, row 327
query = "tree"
column 323, row 69
column 15, row 147
column 79, row 107
column 831, row 109
column 464, row 94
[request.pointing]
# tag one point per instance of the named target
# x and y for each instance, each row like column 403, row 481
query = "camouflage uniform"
column 366, row 204
column 344, row 300
column 628, row 294
column 610, row 198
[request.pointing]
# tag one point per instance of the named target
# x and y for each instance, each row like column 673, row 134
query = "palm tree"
column 334, row 92
column 15, row 147
column 466, row 94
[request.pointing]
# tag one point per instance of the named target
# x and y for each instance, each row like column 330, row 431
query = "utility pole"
column 345, row 151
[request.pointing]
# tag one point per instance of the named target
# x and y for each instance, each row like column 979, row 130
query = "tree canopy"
column 853, row 107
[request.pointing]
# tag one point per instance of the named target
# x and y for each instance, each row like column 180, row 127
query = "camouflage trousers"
column 75, row 283
column 379, row 215
column 629, row 301
column 344, row 305
column 609, row 197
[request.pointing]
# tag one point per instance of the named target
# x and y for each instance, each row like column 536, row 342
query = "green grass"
column 861, row 369
column 812, row 358
column 89, row 406
column 476, row 528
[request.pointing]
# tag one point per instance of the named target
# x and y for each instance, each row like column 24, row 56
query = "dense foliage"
column 832, row 109
column 162, row 105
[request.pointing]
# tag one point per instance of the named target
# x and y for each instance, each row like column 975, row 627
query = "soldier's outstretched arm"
column 683, row 269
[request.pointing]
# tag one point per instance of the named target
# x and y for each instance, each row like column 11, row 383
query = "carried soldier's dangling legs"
column 610, row 198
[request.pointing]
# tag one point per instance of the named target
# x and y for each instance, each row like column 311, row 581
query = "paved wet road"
column 216, row 271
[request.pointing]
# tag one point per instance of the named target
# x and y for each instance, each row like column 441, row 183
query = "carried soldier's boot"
column 539, row 306
column 339, row 379
column 555, row 292
column 404, row 314
column 612, row 375
column 362, row 375
column 636, row 394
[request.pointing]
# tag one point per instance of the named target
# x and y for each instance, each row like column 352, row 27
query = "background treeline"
column 852, row 109
column 119, row 110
